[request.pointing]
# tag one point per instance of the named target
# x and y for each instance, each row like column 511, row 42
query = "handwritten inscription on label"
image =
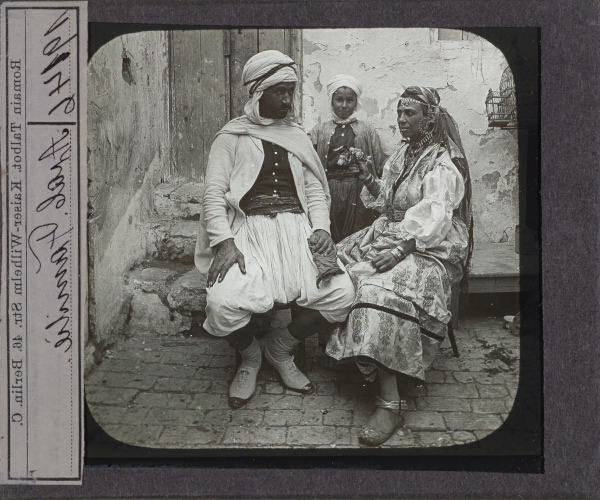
column 43, row 231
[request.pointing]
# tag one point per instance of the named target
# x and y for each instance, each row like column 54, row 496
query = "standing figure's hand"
column 320, row 242
column 226, row 256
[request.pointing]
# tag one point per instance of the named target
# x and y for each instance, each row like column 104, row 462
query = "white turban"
column 261, row 65
column 343, row 80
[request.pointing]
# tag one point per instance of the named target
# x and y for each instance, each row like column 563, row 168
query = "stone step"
column 178, row 200
column 172, row 239
column 165, row 297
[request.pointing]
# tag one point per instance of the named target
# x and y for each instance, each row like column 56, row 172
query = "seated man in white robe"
column 264, row 228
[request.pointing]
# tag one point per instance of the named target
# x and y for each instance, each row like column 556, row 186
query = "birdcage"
column 501, row 105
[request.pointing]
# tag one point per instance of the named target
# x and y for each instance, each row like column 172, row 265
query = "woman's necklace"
column 415, row 148
column 413, row 152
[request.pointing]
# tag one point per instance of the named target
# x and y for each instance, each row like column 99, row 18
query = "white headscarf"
column 343, row 80
column 257, row 66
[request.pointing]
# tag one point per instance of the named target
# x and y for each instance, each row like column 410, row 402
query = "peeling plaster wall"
column 386, row 61
column 128, row 144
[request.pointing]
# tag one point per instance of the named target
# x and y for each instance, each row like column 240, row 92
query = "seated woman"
column 331, row 138
column 404, row 265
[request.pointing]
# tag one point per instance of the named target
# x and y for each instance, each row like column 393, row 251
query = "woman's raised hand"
column 365, row 167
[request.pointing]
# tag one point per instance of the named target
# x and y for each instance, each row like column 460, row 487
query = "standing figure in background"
column 264, row 230
column 333, row 139
column 404, row 265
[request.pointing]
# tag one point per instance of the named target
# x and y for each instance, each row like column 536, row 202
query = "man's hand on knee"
column 320, row 242
column 227, row 255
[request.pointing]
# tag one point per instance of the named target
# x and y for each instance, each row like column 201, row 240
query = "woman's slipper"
column 375, row 437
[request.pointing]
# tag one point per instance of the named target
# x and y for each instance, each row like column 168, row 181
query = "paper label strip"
column 43, row 257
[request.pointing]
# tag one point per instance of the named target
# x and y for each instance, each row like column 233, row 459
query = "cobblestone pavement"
column 170, row 391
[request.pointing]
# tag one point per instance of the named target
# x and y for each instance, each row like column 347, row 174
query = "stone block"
column 133, row 416
column 188, row 293
column 342, row 437
column 316, row 402
column 267, row 436
column 263, row 401
column 460, row 421
column 424, row 421
column 222, row 361
column 209, row 402
column 180, row 372
column 152, row 279
column 173, row 437
column 133, row 366
column 337, row 417
column 139, row 435
column 162, row 199
column 488, row 406
column 206, row 373
column 463, row 437
column 170, row 416
column 452, row 390
column 106, row 415
column 190, row 357
column 433, row 439
column 287, row 402
column 141, row 382
column 282, row 417
column 272, row 388
column 247, row 418
column 305, row 435
column 150, row 315
column 482, row 434
column 441, row 404
column 181, row 201
column 311, row 417
column 153, row 400
column 435, row 377
column 217, row 417
column 480, row 377
column 326, row 389
column 492, row 391
column 109, row 395
column 198, row 437
column 236, row 436
column 445, row 364
column 217, row 387
column 360, row 417
column 173, row 240
column 402, row 438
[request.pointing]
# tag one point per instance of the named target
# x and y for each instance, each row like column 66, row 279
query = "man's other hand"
column 320, row 242
column 226, row 256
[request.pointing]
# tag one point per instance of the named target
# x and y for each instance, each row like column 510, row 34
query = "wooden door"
column 199, row 103
column 205, row 78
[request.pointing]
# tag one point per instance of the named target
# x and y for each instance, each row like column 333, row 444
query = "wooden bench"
column 496, row 268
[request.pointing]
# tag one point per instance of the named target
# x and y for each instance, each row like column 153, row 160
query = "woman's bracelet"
column 371, row 185
column 398, row 253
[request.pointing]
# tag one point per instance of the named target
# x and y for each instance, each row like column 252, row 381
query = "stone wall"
column 462, row 68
